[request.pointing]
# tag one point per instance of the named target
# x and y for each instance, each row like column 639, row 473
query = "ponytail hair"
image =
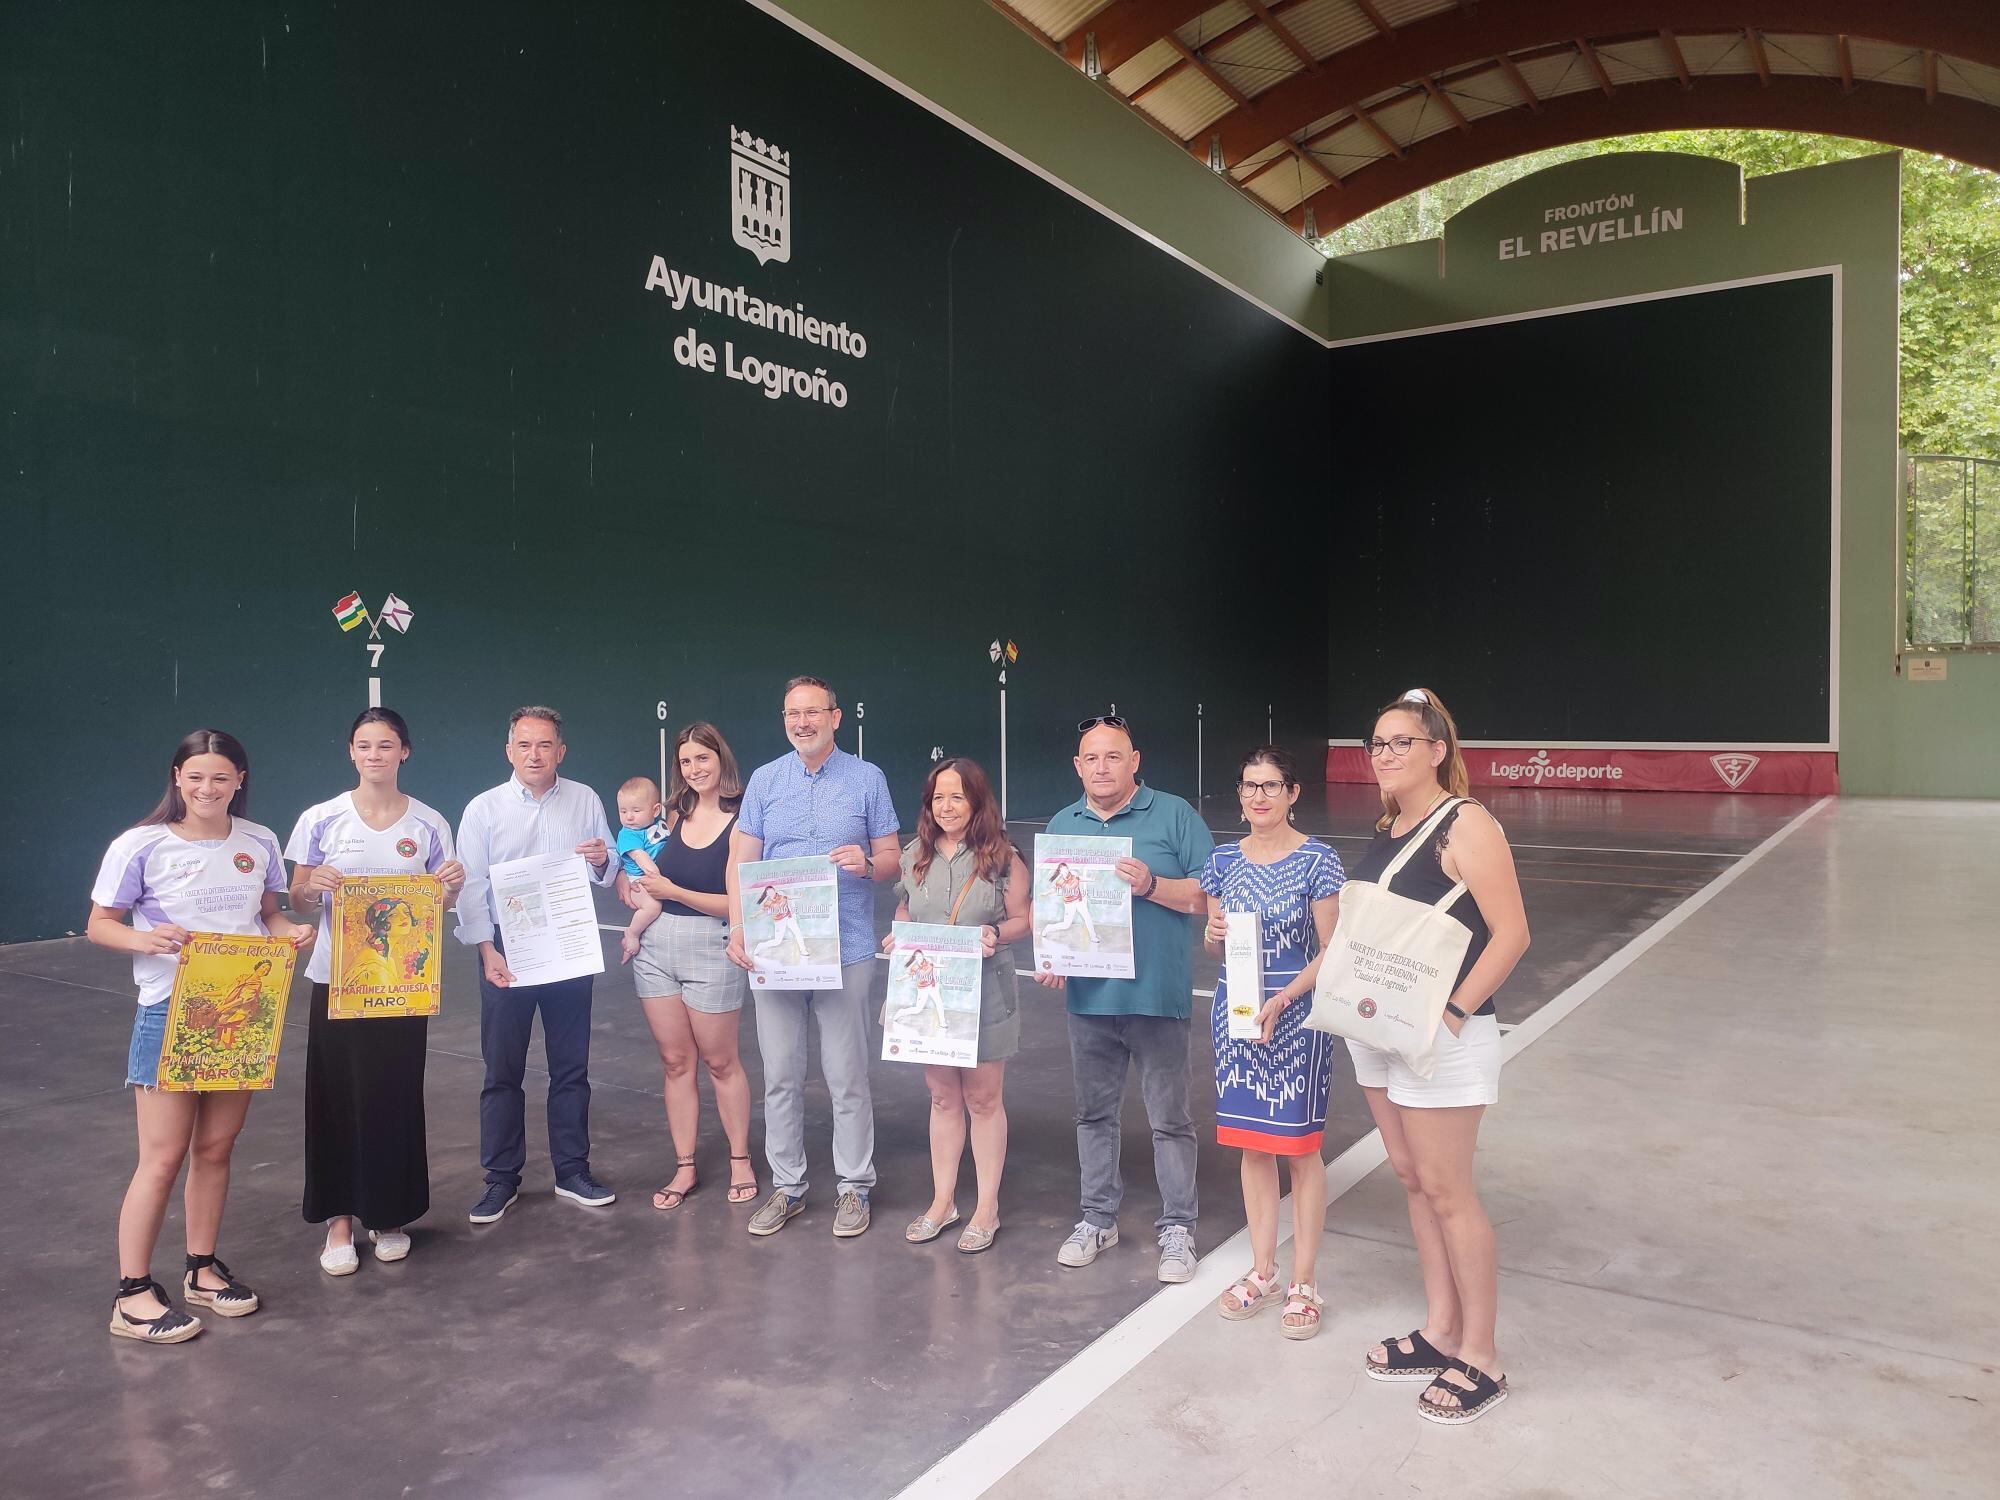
column 1439, row 725
column 173, row 807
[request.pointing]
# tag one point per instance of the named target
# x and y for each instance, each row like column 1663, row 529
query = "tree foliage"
column 1950, row 262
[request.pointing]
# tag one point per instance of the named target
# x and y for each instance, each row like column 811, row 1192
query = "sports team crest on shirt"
column 244, row 863
column 407, row 848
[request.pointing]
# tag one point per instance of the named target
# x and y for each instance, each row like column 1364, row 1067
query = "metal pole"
column 663, row 760
column 1270, row 734
column 860, row 731
column 1003, row 754
column 1197, row 752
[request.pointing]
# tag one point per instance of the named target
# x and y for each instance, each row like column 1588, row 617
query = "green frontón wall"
column 1895, row 737
column 293, row 304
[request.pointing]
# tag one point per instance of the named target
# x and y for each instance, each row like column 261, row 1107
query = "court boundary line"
column 991, row 1453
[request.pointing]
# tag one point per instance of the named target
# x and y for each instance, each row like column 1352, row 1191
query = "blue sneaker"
column 497, row 1199
column 581, row 1187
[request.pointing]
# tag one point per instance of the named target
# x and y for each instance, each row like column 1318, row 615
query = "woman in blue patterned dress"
column 1270, row 1094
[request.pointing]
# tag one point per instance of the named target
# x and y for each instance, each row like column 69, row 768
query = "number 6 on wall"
column 660, row 710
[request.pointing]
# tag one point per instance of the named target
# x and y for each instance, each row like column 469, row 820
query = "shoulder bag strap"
column 1418, row 839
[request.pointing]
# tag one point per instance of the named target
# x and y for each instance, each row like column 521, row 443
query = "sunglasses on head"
column 1109, row 721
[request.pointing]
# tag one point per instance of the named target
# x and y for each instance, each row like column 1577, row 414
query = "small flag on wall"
column 396, row 614
column 350, row 612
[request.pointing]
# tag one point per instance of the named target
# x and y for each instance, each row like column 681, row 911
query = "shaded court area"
column 1735, row 1194
column 566, row 1351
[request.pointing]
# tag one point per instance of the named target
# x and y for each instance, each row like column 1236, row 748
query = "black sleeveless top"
column 705, row 869
column 1422, row 878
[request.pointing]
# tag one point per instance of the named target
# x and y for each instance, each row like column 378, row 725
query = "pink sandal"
column 1302, row 1299
column 1246, row 1298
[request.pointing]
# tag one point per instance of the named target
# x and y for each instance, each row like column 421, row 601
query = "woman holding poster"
column 194, row 865
column 961, row 871
column 366, row 1158
column 1430, row 1126
column 1270, row 1089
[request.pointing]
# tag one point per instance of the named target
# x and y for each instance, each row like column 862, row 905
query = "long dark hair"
column 173, row 807
column 985, row 834
column 683, row 798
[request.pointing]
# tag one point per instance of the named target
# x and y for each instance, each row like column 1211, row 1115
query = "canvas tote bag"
column 1392, row 963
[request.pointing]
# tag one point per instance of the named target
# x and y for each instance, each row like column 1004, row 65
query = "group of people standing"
column 197, row 864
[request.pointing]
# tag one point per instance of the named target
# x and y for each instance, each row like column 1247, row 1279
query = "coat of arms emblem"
column 760, row 197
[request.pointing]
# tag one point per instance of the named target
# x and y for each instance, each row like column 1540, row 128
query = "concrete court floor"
column 567, row 1351
column 1742, row 1196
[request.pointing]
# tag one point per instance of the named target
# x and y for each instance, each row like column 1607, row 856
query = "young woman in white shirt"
column 195, row 864
column 366, row 1155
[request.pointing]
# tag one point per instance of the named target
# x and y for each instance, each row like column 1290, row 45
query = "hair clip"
column 1415, row 695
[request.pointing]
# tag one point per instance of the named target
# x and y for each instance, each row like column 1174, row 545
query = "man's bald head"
column 1107, row 763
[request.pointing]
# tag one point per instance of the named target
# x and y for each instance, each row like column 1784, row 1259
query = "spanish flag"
column 350, row 612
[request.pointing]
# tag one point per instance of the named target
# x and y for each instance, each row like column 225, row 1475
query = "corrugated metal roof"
column 1806, row 56
column 1402, row 12
column 1187, row 104
column 1326, row 26
column 1255, row 59
column 1057, row 18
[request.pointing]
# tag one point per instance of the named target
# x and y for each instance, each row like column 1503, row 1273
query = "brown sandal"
column 743, row 1192
column 671, row 1197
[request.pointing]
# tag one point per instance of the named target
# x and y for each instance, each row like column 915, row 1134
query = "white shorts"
column 1467, row 1071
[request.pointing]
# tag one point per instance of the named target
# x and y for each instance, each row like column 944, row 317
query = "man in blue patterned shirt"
column 819, row 800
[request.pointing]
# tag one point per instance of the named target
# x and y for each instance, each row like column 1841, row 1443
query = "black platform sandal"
column 673, row 1197
column 1424, row 1361
column 743, row 1192
column 170, row 1327
column 234, row 1300
column 1486, row 1393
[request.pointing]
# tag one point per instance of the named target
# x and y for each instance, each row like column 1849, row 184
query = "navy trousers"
column 506, row 1021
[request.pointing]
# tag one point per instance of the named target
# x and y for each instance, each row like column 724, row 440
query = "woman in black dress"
column 365, row 1153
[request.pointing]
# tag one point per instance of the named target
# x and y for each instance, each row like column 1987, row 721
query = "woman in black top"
column 1431, row 1126
column 692, row 994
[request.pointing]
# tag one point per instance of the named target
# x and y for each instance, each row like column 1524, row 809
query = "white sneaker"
column 1084, row 1241
column 390, row 1244
column 1177, row 1257
column 338, row 1260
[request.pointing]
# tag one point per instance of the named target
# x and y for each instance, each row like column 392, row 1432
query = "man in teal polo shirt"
column 1114, row 1023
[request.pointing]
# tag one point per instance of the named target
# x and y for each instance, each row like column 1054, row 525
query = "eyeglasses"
column 1400, row 744
column 1109, row 721
column 794, row 715
column 1263, row 788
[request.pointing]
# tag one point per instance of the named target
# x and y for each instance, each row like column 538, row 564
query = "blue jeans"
column 149, row 1039
column 1102, row 1050
column 506, row 1021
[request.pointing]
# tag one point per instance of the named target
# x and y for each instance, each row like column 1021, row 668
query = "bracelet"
column 1151, row 885
column 1455, row 1011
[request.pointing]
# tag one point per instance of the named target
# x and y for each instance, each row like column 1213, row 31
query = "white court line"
column 988, row 1455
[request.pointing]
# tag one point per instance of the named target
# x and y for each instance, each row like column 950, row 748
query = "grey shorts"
column 681, row 955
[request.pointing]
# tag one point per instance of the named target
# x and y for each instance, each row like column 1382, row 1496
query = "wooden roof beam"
column 1589, row 55
column 1221, row 39
column 1757, row 55
column 1283, row 33
column 1846, row 65
column 1443, row 101
column 1520, row 84
column 1126, row 28
column 1375, row 17
column 1894, row 114
column 1375, row 129
column 1930, row 78
column 1447, row 40
column 1677, row 58
column 1207, row 70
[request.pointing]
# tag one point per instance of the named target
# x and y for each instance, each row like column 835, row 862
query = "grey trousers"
column 1102, row 1049
column 845, row 1045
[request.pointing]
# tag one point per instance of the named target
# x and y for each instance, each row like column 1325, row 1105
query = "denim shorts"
column 149, row 1036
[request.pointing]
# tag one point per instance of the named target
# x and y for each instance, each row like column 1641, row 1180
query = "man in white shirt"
column 533, row 812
